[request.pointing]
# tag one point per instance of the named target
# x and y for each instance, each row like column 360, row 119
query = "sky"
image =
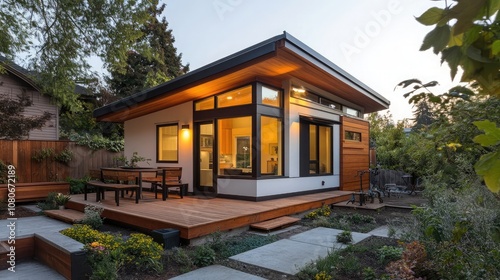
column 376, row 41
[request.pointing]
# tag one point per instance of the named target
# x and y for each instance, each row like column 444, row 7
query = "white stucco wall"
column 140, row 137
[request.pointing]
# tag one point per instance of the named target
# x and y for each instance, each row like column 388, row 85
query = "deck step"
column 66, row 215
column 280, row 222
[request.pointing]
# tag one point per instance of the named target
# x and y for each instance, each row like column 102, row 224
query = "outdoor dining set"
column 125, row 179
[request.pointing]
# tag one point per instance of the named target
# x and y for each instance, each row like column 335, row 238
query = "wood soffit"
column 273, row 69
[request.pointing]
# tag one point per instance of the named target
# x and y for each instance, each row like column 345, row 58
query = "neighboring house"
column 17, row 81
column 276, row 119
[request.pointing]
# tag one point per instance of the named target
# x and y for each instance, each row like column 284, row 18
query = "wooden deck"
column 195, row 217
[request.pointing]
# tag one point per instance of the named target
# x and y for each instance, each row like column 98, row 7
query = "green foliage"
column 142, row 252
column 322, row 276
column 466, row 33
column 92, row 216
column 98, row 142
column 411, row 263
column 182, row 258
column 203, row 255
column 389, row 253
column 148, row 69
column 459, row 228
column 489, row 164
column 65, row 156
column 76, row 186
column 13, row 124
column 63, row 41
column 107, row 252
column 49, row 203
column 324, row 211
column 344, row 237
column 43, row 154
column 3, row 172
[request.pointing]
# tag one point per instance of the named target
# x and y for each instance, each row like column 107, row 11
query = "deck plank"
column 195, row 217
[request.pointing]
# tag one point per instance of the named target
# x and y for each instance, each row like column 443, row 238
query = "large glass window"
column 271, row 96
column 270, row 146
column 167, row 145
column 205, row 104
column 235, row 146
column 318, row 142
column 235, row 97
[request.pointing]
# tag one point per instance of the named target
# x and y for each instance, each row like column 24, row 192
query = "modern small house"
column 16, row 81
column 276, row 119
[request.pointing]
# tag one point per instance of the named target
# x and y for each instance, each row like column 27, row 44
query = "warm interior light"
column 229, row 98
column 299, row 90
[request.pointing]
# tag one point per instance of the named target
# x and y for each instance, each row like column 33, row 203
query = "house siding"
column 11, row 87
column 140, row 137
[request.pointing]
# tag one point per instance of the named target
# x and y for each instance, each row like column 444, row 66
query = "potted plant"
column 61, row 200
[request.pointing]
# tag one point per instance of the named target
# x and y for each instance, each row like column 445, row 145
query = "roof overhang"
column 273, row 61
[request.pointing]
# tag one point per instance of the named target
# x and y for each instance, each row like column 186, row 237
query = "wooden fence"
column 45, row 169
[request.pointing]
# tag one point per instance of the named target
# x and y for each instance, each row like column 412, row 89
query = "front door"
column 206, row 182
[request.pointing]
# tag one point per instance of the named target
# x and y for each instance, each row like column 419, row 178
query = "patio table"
column 136, row 171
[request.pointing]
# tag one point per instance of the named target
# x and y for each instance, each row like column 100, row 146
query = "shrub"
column 182, row 258
column 344, row 237
column 76, row 186
column 105, row 262
column 413, row 258
column 203, row 255
column 322, row 276
column 141, row 251
column 49, row 203
column 92, row 216
column 324, row 211
column 389, row 253
column 86, row 235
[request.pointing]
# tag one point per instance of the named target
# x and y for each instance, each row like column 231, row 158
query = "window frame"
column 158, row 127
column 305, row 145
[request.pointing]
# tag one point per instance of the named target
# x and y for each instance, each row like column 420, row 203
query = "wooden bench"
column 168, row 177
column 34, row 191
column 115, row 181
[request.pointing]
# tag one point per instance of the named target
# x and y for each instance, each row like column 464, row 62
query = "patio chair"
column 172, row 180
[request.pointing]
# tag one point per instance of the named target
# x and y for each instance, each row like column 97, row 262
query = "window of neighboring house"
column 316, row 149
column 352, row 136
column 167, row 143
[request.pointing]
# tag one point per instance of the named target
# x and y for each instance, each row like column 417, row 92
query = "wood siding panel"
column 354, row 155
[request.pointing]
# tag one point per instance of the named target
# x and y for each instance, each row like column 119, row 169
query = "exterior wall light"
column 185, row 127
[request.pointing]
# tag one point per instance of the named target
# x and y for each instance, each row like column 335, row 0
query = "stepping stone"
column 216, row 272
column 326, row 237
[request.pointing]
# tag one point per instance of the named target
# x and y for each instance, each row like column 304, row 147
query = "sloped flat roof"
column 271, row 61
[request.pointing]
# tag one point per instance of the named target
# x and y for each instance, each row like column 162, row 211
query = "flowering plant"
column 61, row 199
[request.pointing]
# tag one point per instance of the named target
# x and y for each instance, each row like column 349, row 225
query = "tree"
column 14, row 124
column 467, row 34
column 61, row 36
column 160, row 64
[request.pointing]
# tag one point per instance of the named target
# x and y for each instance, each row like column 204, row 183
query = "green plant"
column 43, row 154
column 76, row 186
column 104, row 262
column 61, row 199
column 413, row 258
column 141, row 251
column 234, row 246
column 389, row 253
column 369, row 274
column 92, row 216
column 180, row 257
column 3, row 172
column 322, row 276
column 324, row 211
column 49, row 203
column 203, row 255
column 65, row 156
column 344, row 237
